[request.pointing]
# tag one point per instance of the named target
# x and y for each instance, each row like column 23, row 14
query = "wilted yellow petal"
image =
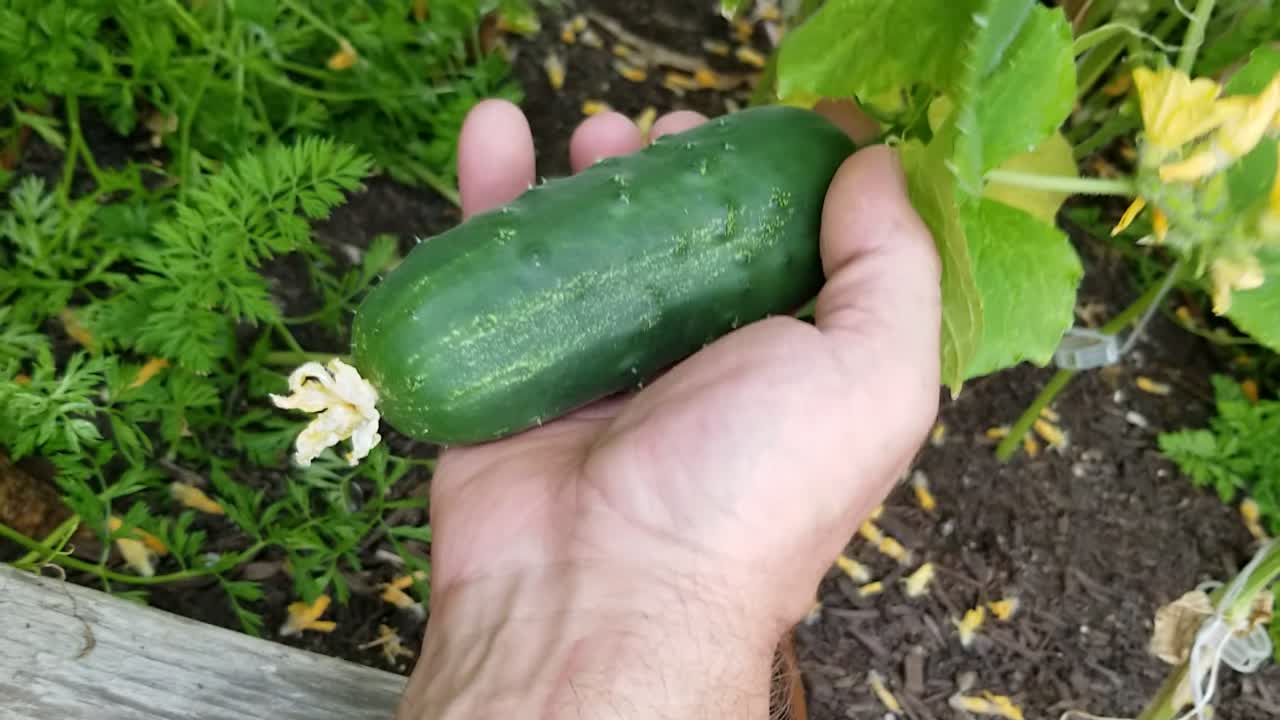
column 347, row 407
column 644, row 121
column 892, row 548
column 1050, row 414
column 1147, row 385
column 706, row 77
column 76, row 330
column 871, row 588
column 996, row 433
column 553, row 66
column 1003, row 609
column 420, row 10
column 344, row 58
column 876, row 681
column 750, row 56
column 1249, row 387
column 137, row 555
column 306, row 617
column 678, row 81
column 716, row 47
column 968, row 626
column 918, row 582
column 397, row 597
column 195, row 498
column 1030, row 446
column 1252, row 519
column 870, row 532
column 988, row 704
column 854, row 569
column 594, row 107
column 1130, row 214
column 938, row 434
column 1050, row 433
column 630, row 72
column 148, row 371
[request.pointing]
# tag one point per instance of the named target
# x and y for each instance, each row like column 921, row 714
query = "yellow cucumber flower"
column 1246, row 119
column 1175, row 108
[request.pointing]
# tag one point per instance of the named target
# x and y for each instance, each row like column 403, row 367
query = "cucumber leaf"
column 1053, row 157
column 1250, row 179
column 1257, row 311
column 1027, row 273
column 870, row 48
column 1019, row 87
column 933, row 194
column 1264, row 63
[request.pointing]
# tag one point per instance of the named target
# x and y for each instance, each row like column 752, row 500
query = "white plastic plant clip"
column 1085, row 349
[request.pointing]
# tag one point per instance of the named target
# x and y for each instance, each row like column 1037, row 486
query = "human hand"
column 642, row 556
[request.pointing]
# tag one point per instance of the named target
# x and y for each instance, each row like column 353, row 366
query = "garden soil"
column 1090, row 538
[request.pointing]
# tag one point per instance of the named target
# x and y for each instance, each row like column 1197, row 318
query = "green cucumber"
column 592, row 284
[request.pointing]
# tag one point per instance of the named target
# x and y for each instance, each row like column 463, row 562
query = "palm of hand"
column 752, row 460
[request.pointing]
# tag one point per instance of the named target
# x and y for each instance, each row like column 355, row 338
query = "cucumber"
column 592, row 284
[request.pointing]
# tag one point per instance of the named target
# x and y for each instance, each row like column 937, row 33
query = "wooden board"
column 68, row 652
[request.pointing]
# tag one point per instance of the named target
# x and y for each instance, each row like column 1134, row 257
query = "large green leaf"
column 1027, row 273
column 863, row 48
column 1019, row 87
column 1264, row 63
column 1257, row 311
column 933, row 195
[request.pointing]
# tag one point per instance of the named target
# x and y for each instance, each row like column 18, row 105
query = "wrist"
column 595, row 642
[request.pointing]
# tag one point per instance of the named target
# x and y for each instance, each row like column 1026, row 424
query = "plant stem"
column 1162, row 706
column 291, row 359
column 77, row 564
column 1060, row 379
column 1194, row 37
column 433, row 179
column 1062, row 183
column 312, row 18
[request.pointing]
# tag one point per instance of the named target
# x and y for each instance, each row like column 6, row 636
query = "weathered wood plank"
column 68, row 652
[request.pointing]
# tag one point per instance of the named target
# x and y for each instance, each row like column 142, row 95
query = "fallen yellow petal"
column 1050, row 433
column 968, row 626
column 924, row 496
column 870, row 532
column 630, row 72
column 567, row 34
column 1003, row 609
column 148, row 371
column 397, row 597
column 404, row 581
column 989, row 704
column 750, row 56
column 706, row 77
column 1030, row 445
column 303, row 616
column 389, row 641
column 679, row 81
column 1249, row 387
column 195, row 498
column 1147, row 385
column 1118, row 85
column 856, row 571
column 644, row 121
column 553, row 66
column 875, row 514
column 996, row 433
column 742, row 30
column 344, row 58
column 918, row 582
column 894, row 549
column 1252, row 519
column 150, row 541
column 1050, row 414
column 594, row 107
column 76, row 330
column 871, row 588
column 716, row 47
column 938, row 434
column 876, row 681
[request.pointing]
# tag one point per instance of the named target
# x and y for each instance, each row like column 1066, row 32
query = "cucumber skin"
column 592, row 284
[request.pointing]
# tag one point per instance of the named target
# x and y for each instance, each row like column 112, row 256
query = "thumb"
column 881, row 305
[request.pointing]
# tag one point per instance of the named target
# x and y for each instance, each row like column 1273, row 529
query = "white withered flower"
column 346, row 404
